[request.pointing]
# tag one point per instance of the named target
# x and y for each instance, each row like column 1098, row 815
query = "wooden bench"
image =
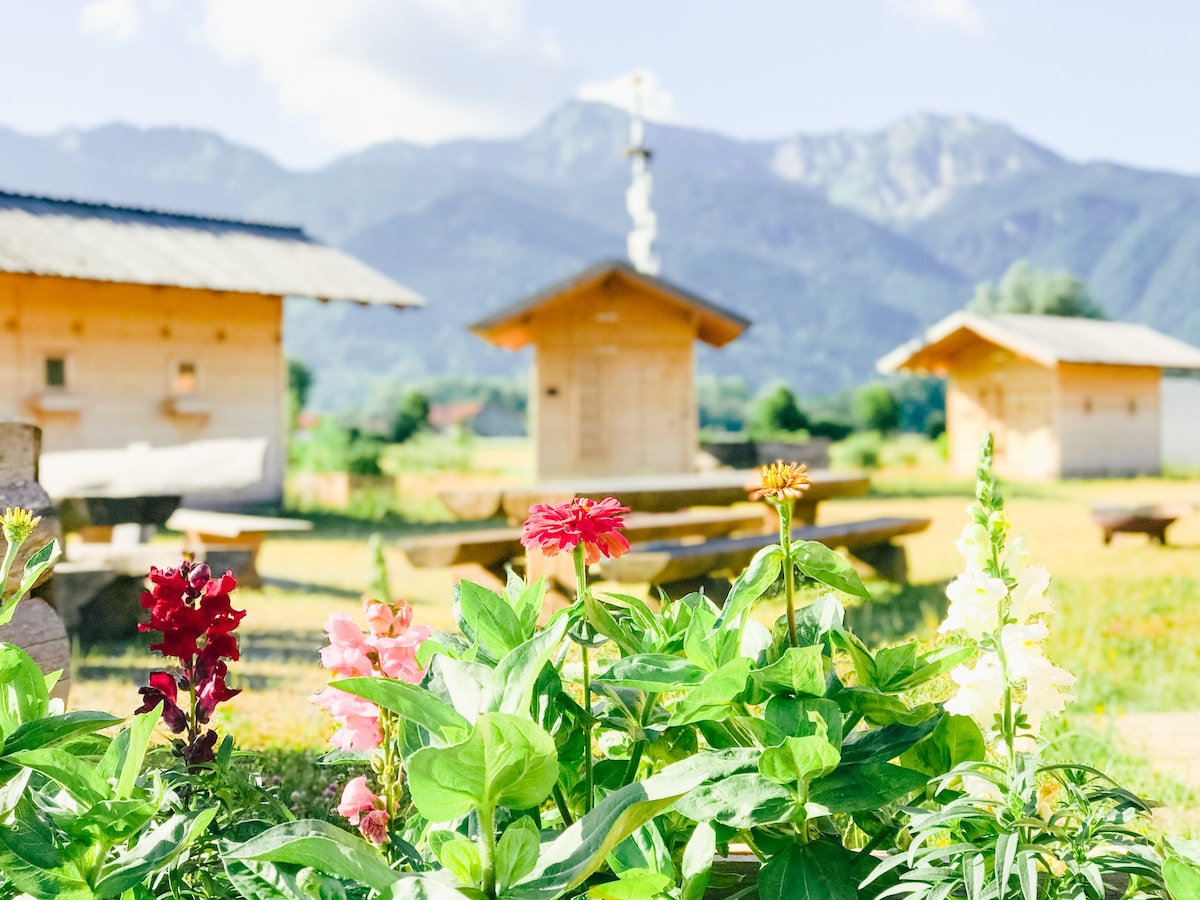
column 206, row 532
column 493, row 548
column 1149, row 520
column 678, row 567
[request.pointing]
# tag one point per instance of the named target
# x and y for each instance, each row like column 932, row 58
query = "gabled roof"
column 1047, row 340
column 100, row 242
column 509, row 326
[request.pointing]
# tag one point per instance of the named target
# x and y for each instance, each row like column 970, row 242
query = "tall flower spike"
column 780, row 480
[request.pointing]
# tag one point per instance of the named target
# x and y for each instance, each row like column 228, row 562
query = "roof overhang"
column 511, row 327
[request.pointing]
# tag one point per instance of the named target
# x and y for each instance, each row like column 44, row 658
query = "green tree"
column 722, row 401
column 876, row 408
column 775, row 410
column 300, row 379
column 411, row 418
column 1024, row 289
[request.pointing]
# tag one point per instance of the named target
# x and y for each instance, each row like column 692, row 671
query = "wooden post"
column 35, row 627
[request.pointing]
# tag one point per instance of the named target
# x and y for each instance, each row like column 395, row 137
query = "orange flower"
column 594, row 524
column 780, row 480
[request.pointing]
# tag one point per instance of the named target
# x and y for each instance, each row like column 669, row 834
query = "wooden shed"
column 613, row 388
column 123, row 326
column 1064, row 397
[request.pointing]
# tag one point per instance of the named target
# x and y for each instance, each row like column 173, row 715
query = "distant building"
column 613, row 391
column 1064, row 397
column 122, row 325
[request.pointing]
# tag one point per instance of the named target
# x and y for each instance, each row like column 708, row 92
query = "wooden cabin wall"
column 994, row 390
column 122, row 344
column 1110, row 420
column 614, row 385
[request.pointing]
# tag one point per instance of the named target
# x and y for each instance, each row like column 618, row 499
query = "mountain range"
column 838, row 247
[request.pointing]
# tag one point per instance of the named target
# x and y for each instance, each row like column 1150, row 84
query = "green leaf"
column 955, row 740
column 865, row 786
column 1182, row 878
column 884, row 744
column 697, row 862
column 506, row 761
column 800, row 670
column 517, row 852
column 800, row 759
column 653, row 672
column 154, row 849
column 130, row 766
column 52, row 730
column 421, row 887
column 568, row 860
column 821, row 564
column 258, row 880
column 931, row 665
column 23, row 693
column 740, row 801
column 410, row 701
column 823, row 615
column 752, row 583
column 815, row 871
column 883, row 709
column 460, row 857
column 76, row 776
column 894, row 664
column 793, row 717
column 517, row 674
column 601, row 619
column 711, row 699
column 860, row 656
column 324, row 847
column 33, row 860
column 36, row 566
column 633, row 884
column 490, row 619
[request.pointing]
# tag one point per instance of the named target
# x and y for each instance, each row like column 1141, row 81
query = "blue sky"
column 305, row 80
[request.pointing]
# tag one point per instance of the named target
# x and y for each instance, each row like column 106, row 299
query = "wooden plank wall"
column 122, row 343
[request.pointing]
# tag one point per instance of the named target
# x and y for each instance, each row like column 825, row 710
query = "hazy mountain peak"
column 912, row 167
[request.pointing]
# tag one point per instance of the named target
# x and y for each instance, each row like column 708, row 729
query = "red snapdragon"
column 193, row 612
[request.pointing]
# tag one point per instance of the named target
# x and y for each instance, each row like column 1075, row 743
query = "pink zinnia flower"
column 357, row 798
column 594, row 524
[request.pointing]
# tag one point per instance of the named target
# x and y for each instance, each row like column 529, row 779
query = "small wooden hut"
column 121, row 325
column 613, row 389
column 1064, row 397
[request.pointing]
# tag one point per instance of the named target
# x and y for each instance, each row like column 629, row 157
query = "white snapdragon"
column 1043, row 696
column 1022, row 647
column 975, row 599
column 975, row 545
column 1029, row 596
column 980, row 691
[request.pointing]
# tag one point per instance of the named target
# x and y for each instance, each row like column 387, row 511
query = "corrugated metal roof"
column 1050, row 340
column 70, row 239
column 717, row 325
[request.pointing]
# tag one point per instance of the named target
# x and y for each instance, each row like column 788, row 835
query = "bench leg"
column 889, row 560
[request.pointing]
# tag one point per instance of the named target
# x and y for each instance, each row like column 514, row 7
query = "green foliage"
column 876, row 409
column 859, row 451
column 723, row 402
column 411, row 418
column 330, row 447
column 1024, row 289
column 775, row 411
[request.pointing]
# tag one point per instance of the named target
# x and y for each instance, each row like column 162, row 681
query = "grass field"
column 1128, row 619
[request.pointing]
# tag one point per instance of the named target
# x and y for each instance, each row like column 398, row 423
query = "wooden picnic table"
column 206, row 530
column 647, row 493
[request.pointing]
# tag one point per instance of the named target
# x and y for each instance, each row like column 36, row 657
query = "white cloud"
column 960, row 14
column 115, row 19
column 657, row 103
column 363, row 71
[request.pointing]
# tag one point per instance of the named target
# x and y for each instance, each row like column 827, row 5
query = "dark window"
column 56, row 371
column 185, row 378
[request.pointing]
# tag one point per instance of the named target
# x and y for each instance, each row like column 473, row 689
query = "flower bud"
column 199, row 576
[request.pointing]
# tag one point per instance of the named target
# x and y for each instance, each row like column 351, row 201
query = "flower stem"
column 487, row 847
column 789, row 575
column 581, row 594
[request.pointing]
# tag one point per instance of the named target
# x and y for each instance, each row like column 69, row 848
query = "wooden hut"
column 1064, row 397
column 613, row 390
column 121, row 326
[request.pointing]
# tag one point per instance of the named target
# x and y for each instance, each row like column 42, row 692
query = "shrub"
column 859, row 451
column 775, row 411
